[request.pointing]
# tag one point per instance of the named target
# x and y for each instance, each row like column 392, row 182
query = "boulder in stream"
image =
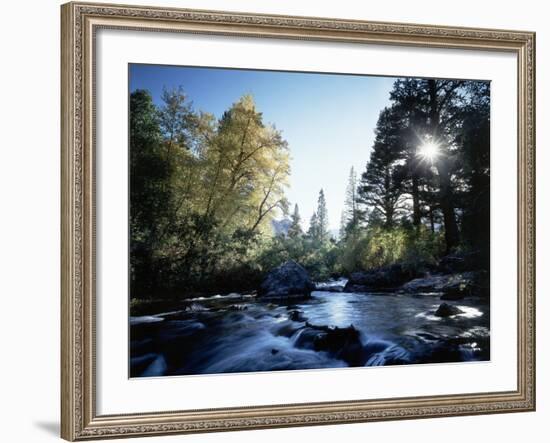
column 451, row 286
column 446, row 310
column 296, row 315
column 342, row 343
column 379, row 279
column 288, row 281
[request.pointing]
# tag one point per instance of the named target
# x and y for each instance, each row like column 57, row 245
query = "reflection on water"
column 219, row 336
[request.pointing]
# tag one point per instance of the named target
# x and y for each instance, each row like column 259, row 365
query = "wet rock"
column 342, row 343
column 335, row 339
column 461, row 285
column 446, row 310
column 331, row 285
column 453, row 349
column 384, row 278
column 288, row 281
column 452, row 286
column 296, row 315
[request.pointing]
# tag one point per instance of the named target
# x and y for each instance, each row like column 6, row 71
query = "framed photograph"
column 282, row 221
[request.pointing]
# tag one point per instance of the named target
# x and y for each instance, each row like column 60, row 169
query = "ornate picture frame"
column 80, row 23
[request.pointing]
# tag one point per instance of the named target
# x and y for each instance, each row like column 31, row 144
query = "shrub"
column 378, row 246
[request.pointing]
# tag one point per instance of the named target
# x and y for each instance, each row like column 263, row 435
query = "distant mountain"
column 280, row 227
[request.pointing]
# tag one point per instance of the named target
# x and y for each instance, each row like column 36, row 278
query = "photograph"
column 284, row 220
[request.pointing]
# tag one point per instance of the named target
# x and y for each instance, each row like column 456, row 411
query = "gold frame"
column 79, row 22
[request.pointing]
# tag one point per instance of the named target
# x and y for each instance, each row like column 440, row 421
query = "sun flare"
column 428, row 151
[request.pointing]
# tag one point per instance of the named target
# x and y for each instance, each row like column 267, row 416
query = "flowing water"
column 242, row 334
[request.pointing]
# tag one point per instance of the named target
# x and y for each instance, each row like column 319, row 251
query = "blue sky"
column 328, row 120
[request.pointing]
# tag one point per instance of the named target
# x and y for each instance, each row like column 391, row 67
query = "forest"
column 209, row 215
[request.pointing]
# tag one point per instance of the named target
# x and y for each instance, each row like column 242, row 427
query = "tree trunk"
column 388, row 213
column 446, row 203
column 417, row 218
column 445, row 189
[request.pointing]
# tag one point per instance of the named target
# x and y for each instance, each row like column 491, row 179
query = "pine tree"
column 342, row 233
column 351, row 215
column 313, row 230
column 381, row 187
column 322, row 217
column 295, row 228
column 436, row 108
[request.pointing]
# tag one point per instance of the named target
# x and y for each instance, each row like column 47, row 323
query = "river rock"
column 384, row 278
column 451, row 286
column 288, row 281
column 296, row 315
column 331, row 285
column 446, row 310
column 432, row 283
column 342, row 343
